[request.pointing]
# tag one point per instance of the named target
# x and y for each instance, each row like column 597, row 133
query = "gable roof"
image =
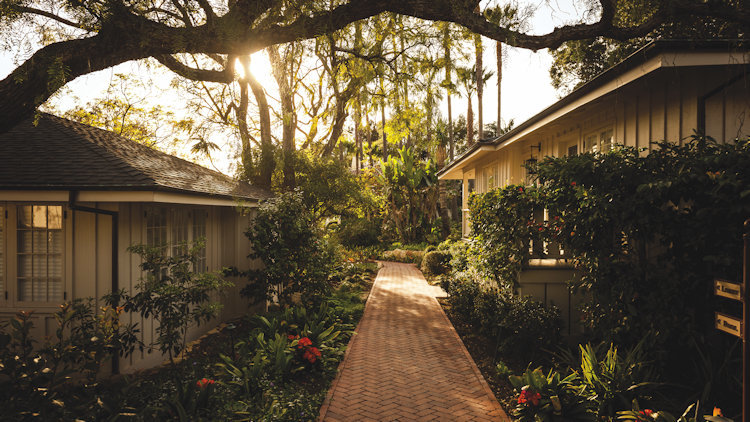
column 53, row 153
column 636, row 59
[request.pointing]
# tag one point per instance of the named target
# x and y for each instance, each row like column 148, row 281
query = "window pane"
column 39, row 241
column 24, row 266
column 606, row 140
column 39, row 216
column 38, row 289
column 55, row 289
column 24, row 217
column 54, row 217
column 55, row 241
column 156, row 227
column 24, row 241
column 24, row 289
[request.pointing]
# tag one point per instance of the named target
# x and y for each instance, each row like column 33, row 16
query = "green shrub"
column 296, row 258
column 436, row 262
column 600, row 385
column 550, row 397
column 173, row 294
column 519, row 326
column 401, row 255
column 358, row 232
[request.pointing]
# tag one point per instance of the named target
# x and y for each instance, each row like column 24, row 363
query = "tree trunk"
column 385, row 137
column 469, row 122
column 448, row 88
column 358, row 136
column 499, row 52
column 369, row 138
column 289, row 119
column 480, row 85
column 267, row 164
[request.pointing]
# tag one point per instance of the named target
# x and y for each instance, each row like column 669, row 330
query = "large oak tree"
column 105, row 33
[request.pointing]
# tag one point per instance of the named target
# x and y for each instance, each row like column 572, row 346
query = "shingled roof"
column 58, row 154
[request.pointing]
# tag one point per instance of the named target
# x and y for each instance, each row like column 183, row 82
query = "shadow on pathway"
column 406, row 362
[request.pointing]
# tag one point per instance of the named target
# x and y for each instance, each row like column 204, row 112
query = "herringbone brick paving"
column 406, row 362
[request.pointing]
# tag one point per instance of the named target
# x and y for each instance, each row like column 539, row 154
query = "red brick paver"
column 406, row 362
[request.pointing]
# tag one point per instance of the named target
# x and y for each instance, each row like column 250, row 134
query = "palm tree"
column 467, row 77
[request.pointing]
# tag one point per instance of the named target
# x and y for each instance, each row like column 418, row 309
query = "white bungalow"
column 664, row 91
column 73, row 198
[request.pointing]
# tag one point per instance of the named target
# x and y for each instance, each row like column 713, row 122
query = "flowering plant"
column 550, row 397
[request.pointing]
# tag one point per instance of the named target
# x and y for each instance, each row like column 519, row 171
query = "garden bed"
column 277, row 366
column 481, row 350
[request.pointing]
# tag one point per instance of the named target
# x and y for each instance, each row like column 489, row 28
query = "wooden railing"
column 547, row 253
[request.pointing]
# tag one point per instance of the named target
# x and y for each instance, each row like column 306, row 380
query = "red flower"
column 304, row 341
column 647, row 413
column 205, row 382
column 520, row 189
column 541, row 228
column 292, row 337
column 572, row 183
column 526, row 396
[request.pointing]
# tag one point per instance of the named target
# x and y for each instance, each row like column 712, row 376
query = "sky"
column 526, row 85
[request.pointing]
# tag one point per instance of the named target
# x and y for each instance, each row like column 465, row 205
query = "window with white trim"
column 39, row 234
column 599, row 141
column 175, row 229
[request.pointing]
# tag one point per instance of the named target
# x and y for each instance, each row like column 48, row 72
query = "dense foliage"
column 271, row 367
column 502, row 227
column 410, row 191
column 647, row 234
column 519, row 326
column 296, row 260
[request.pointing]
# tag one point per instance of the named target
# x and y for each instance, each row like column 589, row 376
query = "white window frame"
column 596, row 141
column 172, row 237
column 9, row 256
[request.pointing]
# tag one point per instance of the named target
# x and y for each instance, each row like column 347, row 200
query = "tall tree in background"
column 478, row 68
column 499, row 54
column 448, row 83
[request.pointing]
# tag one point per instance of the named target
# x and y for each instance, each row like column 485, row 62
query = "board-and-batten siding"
column 88, row 266
column 662, row 106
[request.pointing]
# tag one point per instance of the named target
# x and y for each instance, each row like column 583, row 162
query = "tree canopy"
column 92, row 35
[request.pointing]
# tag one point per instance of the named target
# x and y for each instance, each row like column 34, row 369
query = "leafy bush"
column 358, row 232
column 436, row 263
column 600, row 385
column 410, row 188
column 173, row 294
column 647, row 234
column 401, row 255
column 502, row 227
column 520, row 326
column 296, row 258
column 57, row 379
column 550, row 397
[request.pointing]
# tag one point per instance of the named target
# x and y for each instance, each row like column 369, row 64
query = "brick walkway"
column 406, row 362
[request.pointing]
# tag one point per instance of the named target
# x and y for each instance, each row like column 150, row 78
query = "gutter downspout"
column 702, row 101
column 115, row 260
